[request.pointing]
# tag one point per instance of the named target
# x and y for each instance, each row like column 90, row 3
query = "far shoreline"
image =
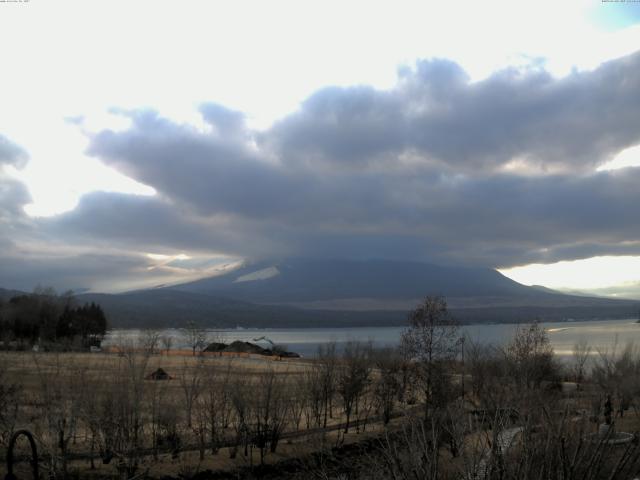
column 377, row 325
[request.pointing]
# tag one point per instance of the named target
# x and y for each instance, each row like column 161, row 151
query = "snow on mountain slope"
column 263, row 274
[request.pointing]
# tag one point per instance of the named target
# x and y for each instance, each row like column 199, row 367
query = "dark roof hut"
column 215, row 347
column 159, row 374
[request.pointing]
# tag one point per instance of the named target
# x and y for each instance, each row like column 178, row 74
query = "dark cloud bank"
column 495, row 173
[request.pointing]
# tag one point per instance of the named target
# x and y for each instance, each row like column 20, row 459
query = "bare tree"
column 154, row 406
column 269, row 412
column 215, row 402
column 200, row 424
column 195, row 336
column 10, row 398
column 618, row 374
column 554, row 446
column 240, row 399
column 353, row 376
column 430, row 341
column 297, row 400
column 169, row 425
column 410, row 453
column 60, row 394
column 327, row 365
column 388, row 384
column 167, row 343
column 149, row 341
column 454, row 426
column 314, row 392
column 191, row 385
column 581, row 353
column 124, row 409
column 489, row 369
column 530, row 356
column 91, row 403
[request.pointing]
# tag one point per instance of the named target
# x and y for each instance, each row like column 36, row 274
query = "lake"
column 600, row 335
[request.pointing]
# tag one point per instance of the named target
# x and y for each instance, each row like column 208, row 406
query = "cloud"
column 77, row 271
column 495, row 173
column 625, row 290
column 152, row 224
column 227, row 123
column 10, row 153
column 435, row 114
column 495, row 221
column 13, row 194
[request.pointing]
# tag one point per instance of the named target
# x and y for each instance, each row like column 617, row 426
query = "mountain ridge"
column 384, row 284
column 346, row 293
column 310, row 280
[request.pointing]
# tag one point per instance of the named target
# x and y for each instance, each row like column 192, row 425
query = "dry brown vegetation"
column 422, row 411
column 213, row 413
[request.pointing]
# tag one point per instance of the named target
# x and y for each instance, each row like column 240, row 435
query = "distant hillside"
column 377, row 285
column 170, row 308
column 343, row 293
column 542, row 288
column 7, row 294
column 302, row 280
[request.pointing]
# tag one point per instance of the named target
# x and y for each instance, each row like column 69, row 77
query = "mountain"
column 160, row 308
column 376, row 285
column 303, row 292
column 302, row 280
column 343, row 293
column 542, row 288
column 7, row 294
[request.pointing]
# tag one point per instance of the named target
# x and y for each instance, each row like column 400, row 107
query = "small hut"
column 159, row 374
column 215, row 347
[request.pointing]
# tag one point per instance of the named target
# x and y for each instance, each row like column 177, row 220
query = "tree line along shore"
column 51, row 321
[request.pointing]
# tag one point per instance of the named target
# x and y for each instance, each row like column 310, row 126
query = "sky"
column 153, row 142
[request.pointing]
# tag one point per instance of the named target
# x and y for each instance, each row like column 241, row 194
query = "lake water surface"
column 600, row 335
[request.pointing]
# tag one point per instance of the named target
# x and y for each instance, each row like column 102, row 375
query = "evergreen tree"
column 45, row 316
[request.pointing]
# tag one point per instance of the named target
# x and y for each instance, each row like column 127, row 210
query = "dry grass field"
column 505, row 413
column 213, row 413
